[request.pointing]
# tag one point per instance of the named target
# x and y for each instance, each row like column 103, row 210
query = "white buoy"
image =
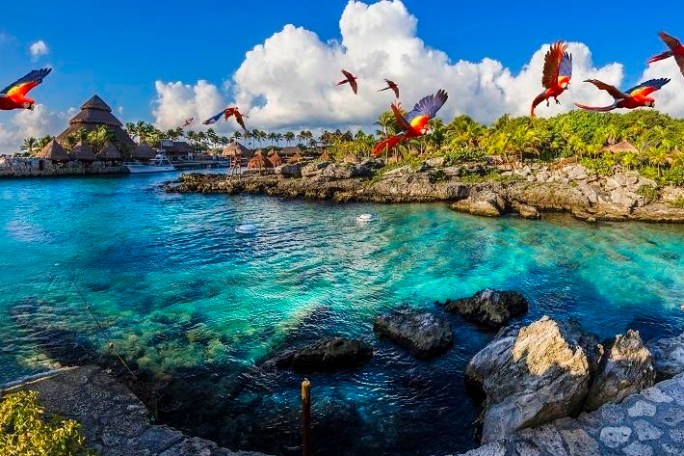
column 246, row 229
column 365, row 218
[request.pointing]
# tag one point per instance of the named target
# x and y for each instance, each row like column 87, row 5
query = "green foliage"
column 24, row 431
column 674, row 175
column 678, row 203
column 602, row 166
column 649, row 192
column 453, row 157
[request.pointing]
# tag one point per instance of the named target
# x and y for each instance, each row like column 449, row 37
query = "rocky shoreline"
column 478, row 188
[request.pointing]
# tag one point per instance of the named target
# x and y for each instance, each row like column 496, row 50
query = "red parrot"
column 351, row 79
column 414, row 124
column 635, row 97
column 557, row 74
column 391, row 85
column 227, row 113
column 14, row 95
column 676, row 51
column 188, row 122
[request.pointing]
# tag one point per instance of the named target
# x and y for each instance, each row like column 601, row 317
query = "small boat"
column 365, row 218
column 158, row 164
column 246, row 229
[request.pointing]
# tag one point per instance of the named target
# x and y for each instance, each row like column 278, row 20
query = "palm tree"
column 289, row 137
column 30, row 145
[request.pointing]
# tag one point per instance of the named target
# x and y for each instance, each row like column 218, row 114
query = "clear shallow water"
column 181, row 293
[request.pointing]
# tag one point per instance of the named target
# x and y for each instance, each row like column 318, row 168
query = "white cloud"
column 670, row 98
column 39, row 48
column 25, row 123
column 288, row 81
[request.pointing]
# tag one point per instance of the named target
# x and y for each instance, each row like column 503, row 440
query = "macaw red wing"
column 428, row 106
column 391, row 85
column 612, row 90
column 22, row 85
column 401, row 120
column 388, row 143
column 228, row 112
column 239, row 118
column 552, row 61
column 672, row 42
column 648, row 87
column 351, row 79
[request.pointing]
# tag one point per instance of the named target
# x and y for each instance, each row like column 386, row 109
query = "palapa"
column 622, row 147
column 144, row 151
column 296, row 158
column 53, row 151
column 325, row 156
column 275, row 159
column 259, row 162
column 236, row 149
column 110, row 152
column 351, row 159
column 83, row 152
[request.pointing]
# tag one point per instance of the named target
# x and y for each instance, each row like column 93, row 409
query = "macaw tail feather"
column 387, row 144
column 541, row 97
column 661, row 56
column 596, row 108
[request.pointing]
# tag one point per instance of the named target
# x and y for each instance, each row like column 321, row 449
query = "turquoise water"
column 181, row 293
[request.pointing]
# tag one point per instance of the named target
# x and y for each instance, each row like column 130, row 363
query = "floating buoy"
column 246, row 229
column 365, row 218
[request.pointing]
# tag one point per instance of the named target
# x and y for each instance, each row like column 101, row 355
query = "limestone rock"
column 485, row 203
column 423, row 334
column 314, row 169
column 289, row 170
column 668, row 356
column 491, row 308
column 324, row 355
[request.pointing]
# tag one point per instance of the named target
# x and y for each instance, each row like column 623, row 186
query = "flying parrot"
column 227, row 113
column 14, row 95
column 557, row 74
column 351, row 79
column 635, row 97
column 391, row 85
column 414, row 124
column 187, row 122
column 676, row 51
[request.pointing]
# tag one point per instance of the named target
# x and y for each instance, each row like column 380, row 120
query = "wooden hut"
column 622, row 147
column 325, row 156
column 94, row 114
column 144, row 151
column 53, row 151
column 351, row 159
column 236, row 149
column 259, row 162
column 296, row 158
column 289, row 151
column 110, row 153
column 83, row 152
column 275, row 159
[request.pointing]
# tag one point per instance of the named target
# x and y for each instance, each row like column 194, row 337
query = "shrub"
column 462, row 155
column 678, row 203
column 675, row 175
column 24, row 431
column 649, row 192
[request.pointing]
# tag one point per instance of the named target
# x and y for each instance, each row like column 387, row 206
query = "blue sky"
column 120, row 49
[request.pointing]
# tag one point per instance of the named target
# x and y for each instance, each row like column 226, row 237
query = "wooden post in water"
column 306, row 418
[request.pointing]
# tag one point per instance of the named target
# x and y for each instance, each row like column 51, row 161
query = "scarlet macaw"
column 232, row 111
column 351, row 79
column 188, row 122
column 635, row 97
column 391, row 85
column 676, row 51
column 414, row 124
column 557, row 74
column 14, row 95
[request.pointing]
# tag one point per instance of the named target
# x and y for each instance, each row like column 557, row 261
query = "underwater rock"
column 423, row 334
column 491, row 308
column 325, row 355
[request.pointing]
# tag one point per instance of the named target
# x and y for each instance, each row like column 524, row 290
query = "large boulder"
column 626, row 368
column 314, row 169
column 668, row 356
column 486, row 203
column 325, row 355
column 289, row 170
column 338, row 171
column 532, row 376
column 491, row 308
column 423, row 334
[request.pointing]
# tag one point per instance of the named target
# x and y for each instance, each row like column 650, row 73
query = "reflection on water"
column 181, row 292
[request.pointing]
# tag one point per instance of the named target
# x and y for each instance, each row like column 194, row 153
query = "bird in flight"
column 391, row 85
column 414, row 124
column 635, row 97
column 14, row 95
column 227, row 113
column 187, row 122
column 351, row 79
column 676, row 51
column 556, row 75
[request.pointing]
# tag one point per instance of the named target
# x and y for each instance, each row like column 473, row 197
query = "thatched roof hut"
column 110, row 152
column 236, row 149
column 296, row 158
column 95, row 113
column 144, row 151
column 623, row 147
column 275, row 159
column 325, row 156
column 53, row 151
column 83, row 152
column 351, row 159
column 289, row 151
column 259, row 162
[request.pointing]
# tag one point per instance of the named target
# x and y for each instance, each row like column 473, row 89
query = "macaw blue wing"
column 213, row 119
column 33, row 78
column 648, row 87
column 566, row 65
column 428, row 106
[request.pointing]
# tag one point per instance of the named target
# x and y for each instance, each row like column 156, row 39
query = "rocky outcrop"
column 290, row 170
column 325, row 355
column 490, row 308
column 626, row 368
column 531, row 376
column 486, row 203
column 423, row 334
column 668, row 356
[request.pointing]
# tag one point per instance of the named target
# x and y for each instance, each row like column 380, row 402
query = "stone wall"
column 36, row 167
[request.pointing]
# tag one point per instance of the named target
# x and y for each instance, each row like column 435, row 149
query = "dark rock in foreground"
column 625, row 368
column 423, row 334
column 668, row 356
column 489, row 307
column 325, row 355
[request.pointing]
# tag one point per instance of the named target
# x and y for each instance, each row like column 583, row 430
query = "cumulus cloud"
column 288, row 80
column 39, row 48
column 26, row 123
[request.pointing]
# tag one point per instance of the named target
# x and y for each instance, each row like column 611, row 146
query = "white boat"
column 246, row 229
column 365, row 218
column 158, row 164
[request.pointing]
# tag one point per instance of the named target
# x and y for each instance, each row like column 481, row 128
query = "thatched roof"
column 259, row 162
column 289, row 151
column 53, row 151
column 110, row 152
column 235, row 148
column 179, row 147
column 351, row 159
column 272, row 152
column 144, row 151
column 296, row 158
column 325, row 156
column 622, row 147
column 275, row 159
column 83, row 152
